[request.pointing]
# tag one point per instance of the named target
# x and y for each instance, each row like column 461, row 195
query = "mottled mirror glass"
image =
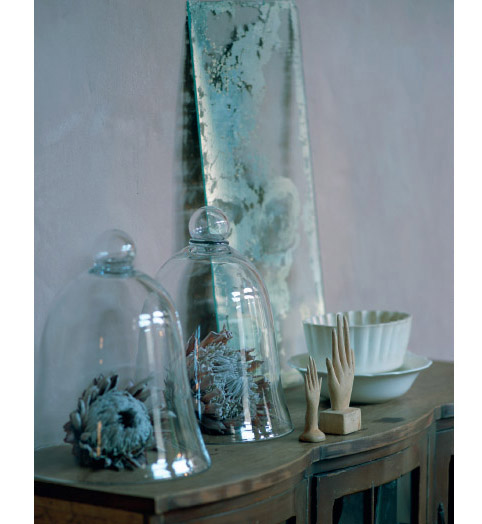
column 255, row 150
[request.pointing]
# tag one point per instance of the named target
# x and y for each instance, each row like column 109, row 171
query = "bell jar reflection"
column 111, row 387
column 232, row 362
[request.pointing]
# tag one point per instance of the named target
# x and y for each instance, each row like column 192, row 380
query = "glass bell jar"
column 113, row 403
column 230, row 347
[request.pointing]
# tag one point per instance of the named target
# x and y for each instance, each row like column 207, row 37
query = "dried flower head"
column 110, row 428
column 224, row 384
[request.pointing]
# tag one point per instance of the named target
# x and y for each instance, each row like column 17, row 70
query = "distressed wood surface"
column 53, row 511
column 243, row 469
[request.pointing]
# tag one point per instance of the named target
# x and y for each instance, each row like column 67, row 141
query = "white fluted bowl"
column 379, row 339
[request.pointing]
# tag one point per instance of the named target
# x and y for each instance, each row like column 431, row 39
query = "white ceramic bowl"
column 378, row 338
column 377, row 387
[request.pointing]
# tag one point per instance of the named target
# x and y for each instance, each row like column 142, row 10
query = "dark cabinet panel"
column 390, row 503
column 443, row 498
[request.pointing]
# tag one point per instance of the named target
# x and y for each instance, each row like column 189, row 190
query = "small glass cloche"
column 112, row 399
column 232, row 361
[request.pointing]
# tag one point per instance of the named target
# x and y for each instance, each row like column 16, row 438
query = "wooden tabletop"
column 240, row 469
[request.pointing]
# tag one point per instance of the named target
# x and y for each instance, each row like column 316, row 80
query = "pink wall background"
column 379, row 84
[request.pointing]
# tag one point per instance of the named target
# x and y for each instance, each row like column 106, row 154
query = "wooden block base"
column 340, row 422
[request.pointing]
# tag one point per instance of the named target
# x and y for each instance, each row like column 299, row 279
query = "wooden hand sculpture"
column 312, row 432
column 341, row 419
column 341, row 369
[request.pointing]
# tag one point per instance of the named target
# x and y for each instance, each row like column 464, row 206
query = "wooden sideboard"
column 398, row 468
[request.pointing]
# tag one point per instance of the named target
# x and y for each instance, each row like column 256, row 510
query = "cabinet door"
column 391, row 503
column 389, row 490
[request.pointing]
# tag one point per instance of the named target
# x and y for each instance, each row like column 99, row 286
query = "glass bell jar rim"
column 272, row 436
column 126, row 482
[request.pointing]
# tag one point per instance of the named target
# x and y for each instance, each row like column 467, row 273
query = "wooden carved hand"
column 341, row 369
column 312, row 432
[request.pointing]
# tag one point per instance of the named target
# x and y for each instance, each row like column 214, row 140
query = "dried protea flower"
column 110, row 428
column 222, row 380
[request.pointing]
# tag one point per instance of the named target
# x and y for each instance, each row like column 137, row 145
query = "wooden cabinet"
column 398, row 468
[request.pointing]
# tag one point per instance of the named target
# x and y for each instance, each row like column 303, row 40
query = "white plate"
column 374, row 387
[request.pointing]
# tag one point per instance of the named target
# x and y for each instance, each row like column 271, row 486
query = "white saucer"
column 374, row 387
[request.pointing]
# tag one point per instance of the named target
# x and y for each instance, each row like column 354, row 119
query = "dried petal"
column 213, row 425
column 113, row 381
column 213, row 409
column 191, row 344
column 254, row 365
column 75, row 420
column 104, row 385
column 142, row 395
column 214, row 393
column 214, row 338
column 81, row 407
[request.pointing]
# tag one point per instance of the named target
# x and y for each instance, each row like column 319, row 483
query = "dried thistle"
column 110, row 428
column 224, row 384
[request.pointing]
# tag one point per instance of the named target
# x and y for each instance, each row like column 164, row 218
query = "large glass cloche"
column 112, row 398
column 232, row 362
